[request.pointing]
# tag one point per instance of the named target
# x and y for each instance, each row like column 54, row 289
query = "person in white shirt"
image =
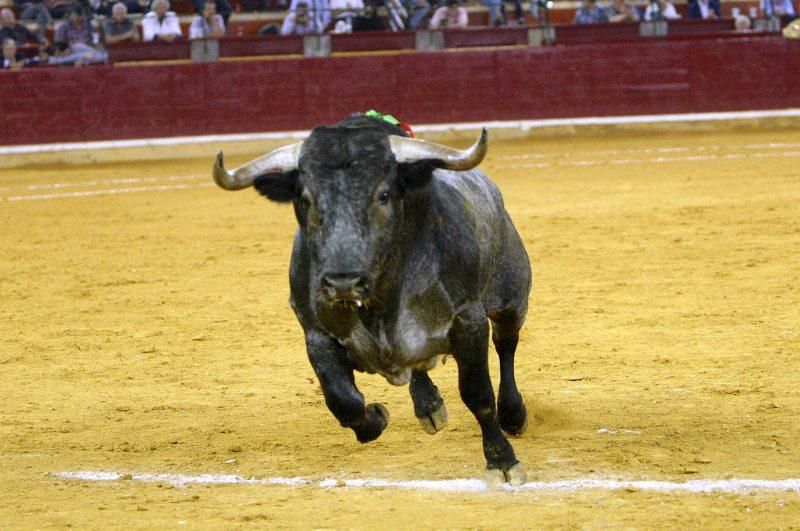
column 451, row 15
column 161, row 23
column 209, row 24
column 658, row 10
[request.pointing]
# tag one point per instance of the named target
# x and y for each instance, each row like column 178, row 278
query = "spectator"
column 161, row 24
column 621, row 11
column 300, row 21
column 518, row 12
column 495, row 8
column 119, row 27
column 783, row 9
column 343, row 12
column 417, row 11
column 209, row 24
column 222, row 7
column 104, row 7
column 74, row 29
column 368, row 19
column 660, row 10
column 741, row 23
column 36, row 11
column 11, row 29
column 73, row 40
column 590, row 13
column 703, row 9
column 319, row 12
column 60, row 8
column 76, row 54
column 451, row 15
column 11, row 60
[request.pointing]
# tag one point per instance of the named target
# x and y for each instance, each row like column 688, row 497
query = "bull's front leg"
column 469, row 337
column 329, row 360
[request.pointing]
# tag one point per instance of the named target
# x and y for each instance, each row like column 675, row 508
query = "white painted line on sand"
column 739, row 486
column 511, row 124
column 112, row 191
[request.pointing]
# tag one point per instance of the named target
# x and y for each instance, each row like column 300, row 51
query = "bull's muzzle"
column 344, row 287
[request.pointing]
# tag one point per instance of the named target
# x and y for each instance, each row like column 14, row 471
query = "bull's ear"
column 414, row 175
column 280, row 187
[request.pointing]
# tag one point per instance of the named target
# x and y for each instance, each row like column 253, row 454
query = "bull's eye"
column 307, row 208
column 383, row 197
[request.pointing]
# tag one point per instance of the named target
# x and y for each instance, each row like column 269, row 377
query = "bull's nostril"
column 349, row 283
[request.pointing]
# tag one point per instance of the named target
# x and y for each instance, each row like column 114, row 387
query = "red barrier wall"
column 100, row 103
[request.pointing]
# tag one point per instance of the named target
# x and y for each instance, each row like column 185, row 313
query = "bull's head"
column 353, row 190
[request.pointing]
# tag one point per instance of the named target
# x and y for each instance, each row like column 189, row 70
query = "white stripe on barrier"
column 513, row 124
column 741, row 486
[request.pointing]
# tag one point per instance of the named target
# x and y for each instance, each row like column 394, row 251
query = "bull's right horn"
column 276, row 161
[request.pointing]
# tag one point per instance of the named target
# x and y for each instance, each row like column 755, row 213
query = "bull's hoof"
column 435, row 421
column 379, row 412
column 513, row 418
column 376, row 418
column 514, row 475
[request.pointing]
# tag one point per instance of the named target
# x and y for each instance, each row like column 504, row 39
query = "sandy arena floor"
column 145, row 328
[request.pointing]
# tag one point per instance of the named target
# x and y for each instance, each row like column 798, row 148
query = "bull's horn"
column 412, row 149
column 276, row 161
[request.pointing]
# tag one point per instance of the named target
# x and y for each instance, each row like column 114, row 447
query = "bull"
column 404, row 253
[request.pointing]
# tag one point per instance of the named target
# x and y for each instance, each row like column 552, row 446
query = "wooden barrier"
column 672, row 76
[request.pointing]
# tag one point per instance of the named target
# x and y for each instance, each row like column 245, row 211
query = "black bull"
column 402, row 253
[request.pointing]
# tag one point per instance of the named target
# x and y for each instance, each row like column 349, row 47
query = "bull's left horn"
column 276, row 161
column 413, row 149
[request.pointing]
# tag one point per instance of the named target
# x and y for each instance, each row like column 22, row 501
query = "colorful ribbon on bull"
column 372, row 113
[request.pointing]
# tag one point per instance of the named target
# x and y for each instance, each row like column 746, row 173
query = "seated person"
column 319, row 11
column 451, row 15
column 741, row 23
column 74, row 29
column 119, row 27
column 660, row 10
column 703, row 9
column 11, row 29
column 590, row 13
column 11, row 60
column 76, row 54
column 73, row 38
column 161, row 24
column 222, row 8
column 209, row 25
column 300, row 22
column 104, row 7
column 621, row 11
column 783, row 9
column 36, row 11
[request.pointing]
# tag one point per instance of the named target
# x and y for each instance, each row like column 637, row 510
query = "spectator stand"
column 242, row 39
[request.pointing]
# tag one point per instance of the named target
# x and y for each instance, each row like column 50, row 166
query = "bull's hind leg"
column 428, row 404
column 341, row 394
column 469, row 338
column 511, row 410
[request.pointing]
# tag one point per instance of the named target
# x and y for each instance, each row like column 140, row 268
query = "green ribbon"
column 372, row 113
